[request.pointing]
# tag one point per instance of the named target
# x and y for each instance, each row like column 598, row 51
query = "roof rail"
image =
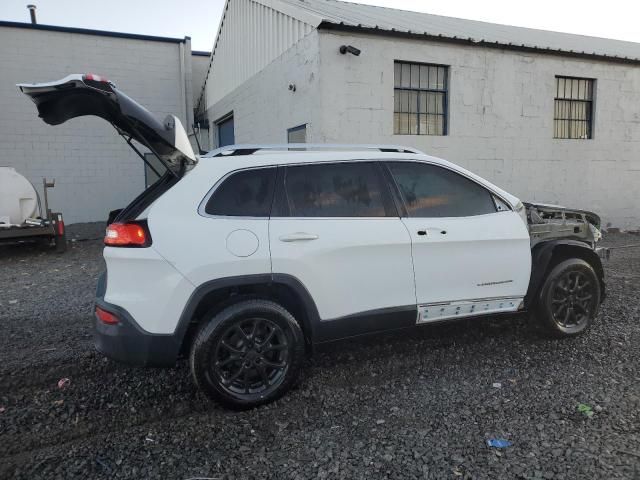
column 233, row 150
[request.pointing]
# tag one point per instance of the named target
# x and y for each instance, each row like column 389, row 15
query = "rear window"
column 335, row 190
column 248, row 193
column 145, row 199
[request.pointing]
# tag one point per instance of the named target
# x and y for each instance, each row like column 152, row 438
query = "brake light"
column 106, row 317
column 127, row 235
column 98, row 82
column 95, row 78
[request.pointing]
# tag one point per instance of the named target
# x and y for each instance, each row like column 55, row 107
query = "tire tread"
column 544, row 320
column 207, row 331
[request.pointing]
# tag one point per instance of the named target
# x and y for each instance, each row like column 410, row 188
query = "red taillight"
column 106, row 317
column 95, row 78
column 127, row 235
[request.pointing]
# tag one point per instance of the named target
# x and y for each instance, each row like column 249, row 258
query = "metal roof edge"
column 200, row 53
column 328, row 25
column 292, row 10
column 88, row 31
column 300, row 13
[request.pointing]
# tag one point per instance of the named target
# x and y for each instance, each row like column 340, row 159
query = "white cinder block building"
column 551, row 117
column 95, row 171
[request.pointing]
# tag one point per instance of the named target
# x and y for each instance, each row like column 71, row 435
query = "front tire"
column 569, row 299
column 248, row 354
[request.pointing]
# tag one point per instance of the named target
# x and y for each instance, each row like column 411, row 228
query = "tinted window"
column 244, row 194
column 432, row 191
column 335, row 190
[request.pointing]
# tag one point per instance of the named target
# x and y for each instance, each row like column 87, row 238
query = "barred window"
column 573, row 112
column 420, row 96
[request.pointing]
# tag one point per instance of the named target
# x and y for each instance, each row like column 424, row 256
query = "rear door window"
column 248, row 193
column 343, row 189
column 433, row 191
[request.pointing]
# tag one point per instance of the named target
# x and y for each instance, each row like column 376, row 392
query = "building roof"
column 87, row 31
column 354, row 16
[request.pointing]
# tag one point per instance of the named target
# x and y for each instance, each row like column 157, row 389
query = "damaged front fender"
column 551, row 222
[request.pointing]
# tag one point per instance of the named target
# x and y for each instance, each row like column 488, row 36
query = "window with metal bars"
column 420, row 97
column 573, row 110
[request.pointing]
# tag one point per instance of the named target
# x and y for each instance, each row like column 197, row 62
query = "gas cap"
column 242, row 243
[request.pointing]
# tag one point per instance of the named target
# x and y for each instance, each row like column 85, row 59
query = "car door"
column 335, row 229
column 471, row 252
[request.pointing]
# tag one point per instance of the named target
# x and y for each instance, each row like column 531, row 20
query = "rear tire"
column 569, row 299
column 248, row 354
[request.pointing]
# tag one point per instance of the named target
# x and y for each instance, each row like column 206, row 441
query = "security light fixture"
column 350, row 49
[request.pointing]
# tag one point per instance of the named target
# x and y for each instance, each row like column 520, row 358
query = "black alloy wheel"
column 247, row 354
column 572, row 299
column 569, row 298
column 251, row 357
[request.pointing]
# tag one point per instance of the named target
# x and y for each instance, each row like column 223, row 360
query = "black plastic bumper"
column 127, row 342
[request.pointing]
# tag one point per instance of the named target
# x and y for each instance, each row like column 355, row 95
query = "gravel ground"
column 419, row 405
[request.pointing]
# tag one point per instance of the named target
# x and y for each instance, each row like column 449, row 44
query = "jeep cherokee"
column 245, row 258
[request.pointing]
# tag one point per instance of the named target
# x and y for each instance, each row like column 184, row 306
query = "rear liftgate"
column 78, row 95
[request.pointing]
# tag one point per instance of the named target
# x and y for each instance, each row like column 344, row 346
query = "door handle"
column 298, row 237
column 425, row 232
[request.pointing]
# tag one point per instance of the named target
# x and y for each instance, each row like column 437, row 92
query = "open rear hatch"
column 77, row 95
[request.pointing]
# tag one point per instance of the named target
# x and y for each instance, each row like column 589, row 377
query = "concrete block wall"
column 95, row 171
column 264, row 108
column 500, row 118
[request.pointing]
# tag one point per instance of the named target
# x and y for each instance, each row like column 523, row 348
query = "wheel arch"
column 548, row 254
column 215, row 295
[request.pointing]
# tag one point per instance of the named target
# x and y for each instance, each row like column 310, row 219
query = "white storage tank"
column 18, row 198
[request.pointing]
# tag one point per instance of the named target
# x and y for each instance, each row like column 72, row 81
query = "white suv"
column 247, row 257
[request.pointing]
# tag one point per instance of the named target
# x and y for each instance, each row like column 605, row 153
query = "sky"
column 199, row 19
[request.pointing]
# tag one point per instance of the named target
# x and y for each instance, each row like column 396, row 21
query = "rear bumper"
column 127, row 342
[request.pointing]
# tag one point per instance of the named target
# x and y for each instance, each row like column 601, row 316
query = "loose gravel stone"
column 408, row 405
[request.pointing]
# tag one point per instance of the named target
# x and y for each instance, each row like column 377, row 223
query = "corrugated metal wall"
column 251, row 36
